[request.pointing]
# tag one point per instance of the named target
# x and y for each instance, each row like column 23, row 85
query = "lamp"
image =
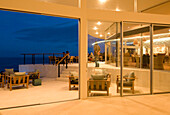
column 135, row 42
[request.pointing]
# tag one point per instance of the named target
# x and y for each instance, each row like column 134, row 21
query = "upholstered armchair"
column 34, row 75
column 100, row 80
column 73, row 79
column 19, row 78
column 128, row 81
column 8, row 72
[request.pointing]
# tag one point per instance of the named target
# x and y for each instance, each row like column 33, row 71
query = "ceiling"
column 146, row 6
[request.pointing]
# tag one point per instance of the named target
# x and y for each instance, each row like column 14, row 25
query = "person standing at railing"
column 68, row 56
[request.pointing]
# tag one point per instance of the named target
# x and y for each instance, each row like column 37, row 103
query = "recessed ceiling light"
column 101, row 35
column 97, row 32
column 169, row 30
column 102, row 1
column 95, row 28
column 108, row 33
column 99, row 23
column 117, row 9
column 128, row 27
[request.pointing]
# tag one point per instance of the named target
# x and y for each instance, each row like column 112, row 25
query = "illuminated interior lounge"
column 136, row 56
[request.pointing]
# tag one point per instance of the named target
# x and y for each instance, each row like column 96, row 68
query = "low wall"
column 48, row 70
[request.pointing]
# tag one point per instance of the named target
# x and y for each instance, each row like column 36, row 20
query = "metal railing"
column 61, row 59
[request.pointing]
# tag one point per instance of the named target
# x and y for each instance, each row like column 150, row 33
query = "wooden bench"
column 17, row 80
column 99, row 85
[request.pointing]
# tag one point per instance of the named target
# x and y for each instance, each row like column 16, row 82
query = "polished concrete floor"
column 51, row 90
column 129, row 105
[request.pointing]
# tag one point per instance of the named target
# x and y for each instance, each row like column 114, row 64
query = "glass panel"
column 136, row 58
column 102, row 46
column 114, row 5
column 64, row 2
column 161, row 51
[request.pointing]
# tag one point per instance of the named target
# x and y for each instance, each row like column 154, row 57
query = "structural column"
column 83, row 49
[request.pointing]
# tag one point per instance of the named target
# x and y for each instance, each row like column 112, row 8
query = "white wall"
column 45, row 70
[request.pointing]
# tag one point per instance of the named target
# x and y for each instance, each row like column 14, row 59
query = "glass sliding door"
column 161, row 59
column 136, row 58
column 103, row 58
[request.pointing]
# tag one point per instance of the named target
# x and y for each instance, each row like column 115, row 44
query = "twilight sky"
column 32, row 33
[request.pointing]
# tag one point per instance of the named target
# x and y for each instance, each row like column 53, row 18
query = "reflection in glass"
column 136, row 59
column 102, row 71
column 161, row 52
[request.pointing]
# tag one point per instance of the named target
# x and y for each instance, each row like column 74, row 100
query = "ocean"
column 14, row 62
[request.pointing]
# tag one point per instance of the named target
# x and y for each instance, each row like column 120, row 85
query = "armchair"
column 19, row 78
column 8, row 72
column 99, row 81
column 128, row 81
column 34, row 75
column 73, row 79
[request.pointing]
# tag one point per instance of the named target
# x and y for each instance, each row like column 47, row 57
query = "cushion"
column 75, row 81
column 74, row 73
column 125, row 76
column 36, row 82
column 19, row 73
column 131, row 75
column 126, row 84
column 98, row 71
column 98, row 76
column 9, row 71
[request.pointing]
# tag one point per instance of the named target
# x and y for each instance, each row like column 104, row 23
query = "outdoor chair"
column 19, row 78
column 128, row 81
column 100, row 81
column 53, row 59
column 73, row 79
column 2, row 81
column 158, row 61
column 8, row 72
column 126, row 59
column 34, row 75
column 71, row 59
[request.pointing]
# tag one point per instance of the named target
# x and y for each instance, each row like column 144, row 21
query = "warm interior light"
column 102, row 1
column 140, row 37
column 99, row 23
column 108, row 33
column 101, row 35
column 97, row 32
column 95, row 28
column 117, row 9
